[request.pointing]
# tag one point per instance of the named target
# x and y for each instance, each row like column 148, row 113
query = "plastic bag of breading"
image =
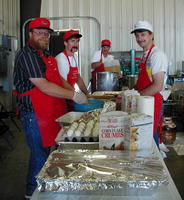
column 129, row 100
column 109, row 106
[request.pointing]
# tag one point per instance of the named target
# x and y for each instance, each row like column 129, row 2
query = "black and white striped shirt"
column 28, row 64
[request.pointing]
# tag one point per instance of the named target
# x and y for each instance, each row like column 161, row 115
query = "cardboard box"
column 113, row 69
column 112, row 130
column 141, row 133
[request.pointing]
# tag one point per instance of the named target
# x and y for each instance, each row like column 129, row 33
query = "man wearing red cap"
column 98, row 60
column 152, row 70
column 41, row 96
column 68, row 61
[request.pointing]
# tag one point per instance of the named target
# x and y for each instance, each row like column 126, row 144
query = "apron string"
column 65, row 52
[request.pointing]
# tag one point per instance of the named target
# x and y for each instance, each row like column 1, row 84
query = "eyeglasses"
column 43, row 34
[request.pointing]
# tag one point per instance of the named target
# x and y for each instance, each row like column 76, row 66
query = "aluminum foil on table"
column 85, row 170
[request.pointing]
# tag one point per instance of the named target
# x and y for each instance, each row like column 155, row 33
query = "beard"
column 41, row 44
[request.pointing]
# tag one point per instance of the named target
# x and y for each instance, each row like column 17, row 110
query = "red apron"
column 142, row 83
column 73, row 72
column 101, row 68
column 72, row 79
column 47, row 108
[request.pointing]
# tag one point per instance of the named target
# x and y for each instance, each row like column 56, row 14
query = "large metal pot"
column 107, row 81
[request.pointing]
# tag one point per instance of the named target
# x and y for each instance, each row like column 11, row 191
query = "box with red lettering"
column 112, row 130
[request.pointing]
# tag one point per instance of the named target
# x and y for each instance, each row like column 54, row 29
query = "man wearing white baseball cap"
column 142, row 25
column 152, row 70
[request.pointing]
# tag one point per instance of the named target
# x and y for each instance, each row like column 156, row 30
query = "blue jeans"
column 38, row 153
column 156, row 135
column 156, row 138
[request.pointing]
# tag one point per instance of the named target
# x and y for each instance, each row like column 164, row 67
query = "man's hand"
column 96, row 65
column 79, row 98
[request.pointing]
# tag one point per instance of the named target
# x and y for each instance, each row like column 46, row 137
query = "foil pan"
column 79, row 145
column 89, row 170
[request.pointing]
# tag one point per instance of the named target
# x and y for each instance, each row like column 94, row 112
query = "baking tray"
column 79, row 145
column 92, row 170
column 69, row 118
column 110, row 93
column 105, row 95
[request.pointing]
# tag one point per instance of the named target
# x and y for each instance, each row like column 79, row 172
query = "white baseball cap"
column 142, row 25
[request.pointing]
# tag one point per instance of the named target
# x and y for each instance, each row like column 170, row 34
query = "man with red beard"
column 152, row 70
column 98, row 60
column 41, row 96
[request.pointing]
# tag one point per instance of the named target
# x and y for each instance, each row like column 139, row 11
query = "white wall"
column 10, row 26
column 10, row 17
column 116, row 18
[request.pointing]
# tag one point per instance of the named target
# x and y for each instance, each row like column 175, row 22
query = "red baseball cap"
column 106, row 43
column 71, row 33
column 40, row 22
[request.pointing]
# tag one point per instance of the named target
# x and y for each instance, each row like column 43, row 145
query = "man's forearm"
column 66, row 85
column 82, row 86
column 151, row 90
column 52, row 89
column 57, row 91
